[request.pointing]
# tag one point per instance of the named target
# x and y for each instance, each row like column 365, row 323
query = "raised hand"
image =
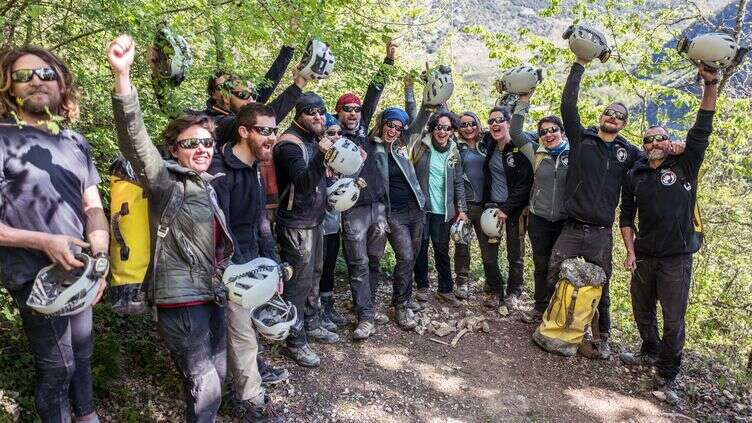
column 391, row 49
column 527, row 96
column 707, row 73
column 120, row 54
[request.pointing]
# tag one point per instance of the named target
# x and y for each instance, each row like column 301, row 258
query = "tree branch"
column 77, row 37
column 741, row 12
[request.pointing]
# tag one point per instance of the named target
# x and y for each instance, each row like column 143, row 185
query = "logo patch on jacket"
column 668, row 177
column 621, row 154
column 510, row 161
column 688, row 186
column 402, row 151
column 564, row 160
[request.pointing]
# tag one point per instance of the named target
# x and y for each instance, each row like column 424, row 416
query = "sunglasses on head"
column 333, row 132
column 349, row 109
column 191, row 143
column 266, row 130
column 310, row 111
column 615, row 113
column 25, row 75
column 498, row 120
column 469, row 124
column 551, row 130
column 391, row 125
column 655, row 138
column 445, row 128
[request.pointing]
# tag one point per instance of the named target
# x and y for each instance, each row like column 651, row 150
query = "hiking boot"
column 380, row 318
column 412, row 305
column 531, row 316
column 250, row 412
column 323, row 335
column 304, row 356
column 364, row 330
column 604, row 350
column 449, row 298
column 511, row 301
column 326, row 323
column 272, row 375
column 405, row 317
column 329, row 313
column 462, row 291
column 638, row 359
column 668, row 387
column 492, row 301
column 422, row 295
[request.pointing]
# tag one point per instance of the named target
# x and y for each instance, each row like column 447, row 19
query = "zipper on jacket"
column 556, row 169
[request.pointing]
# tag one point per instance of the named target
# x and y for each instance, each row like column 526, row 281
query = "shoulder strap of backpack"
column 289, row 138
column 538, row 159
column 174, row 204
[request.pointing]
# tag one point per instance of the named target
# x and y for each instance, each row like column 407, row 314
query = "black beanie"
column 309, row 100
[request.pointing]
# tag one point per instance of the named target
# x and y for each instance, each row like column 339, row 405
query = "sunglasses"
column 551, row 130
column 615, row 113
column 498, row 120
column 391, row 125
column 333, row 133
column 469, row 124
column 242, row 94
column 25, row 75
column 654, row 138
column 191, row 143
column 266, row 130
column 314, row 111
column 445, row 128
column 349, row 109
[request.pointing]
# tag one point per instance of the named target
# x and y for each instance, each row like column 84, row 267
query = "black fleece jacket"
column 665, row 197
column 519, row 176
column 596, row 169
column 241, row 195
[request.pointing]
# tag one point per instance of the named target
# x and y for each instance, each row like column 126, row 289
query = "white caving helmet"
column 344, row 157
column 716, row 50
column 461, row 232
column 251, row 284
column 587, row 43
column 317, row 62
column 344, row 193
column 439, row 86
column 60, row 292
column 274, row 319
column 490, row 224
column 519, row 80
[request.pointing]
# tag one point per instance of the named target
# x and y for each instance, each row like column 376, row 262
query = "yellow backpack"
column 572, row 309
column 130, row 244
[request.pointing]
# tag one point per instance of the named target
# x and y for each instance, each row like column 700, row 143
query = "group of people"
column 424, row 168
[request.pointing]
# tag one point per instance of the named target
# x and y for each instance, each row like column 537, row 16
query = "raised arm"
column 133, row 140
column 376, row 87
column 274, row 74
column 521, row 139
column 285, row 102
column 570, row 114
column 699, row 135
column 411, row 107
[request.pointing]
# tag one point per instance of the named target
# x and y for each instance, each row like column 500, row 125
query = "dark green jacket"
column 188, row 266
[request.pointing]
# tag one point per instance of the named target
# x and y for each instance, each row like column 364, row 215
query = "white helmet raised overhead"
column 251, row 284
column 587, row 43
column 519, row 80
column 344, row 193
column 317, row 62
column 344, row 157
column 461, row 232
column 274, row 319
column 439, row 86
column 716, row 50
column 491, row 225
column 60, row 292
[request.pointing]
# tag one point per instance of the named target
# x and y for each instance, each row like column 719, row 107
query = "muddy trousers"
column 62, row 349
column 666, row 280
column 242, row 353
column 303, row 249
column 543, row 235
column 195, row 336
column 364, row 231
column 405, row 236
column 489, row 254
column 437, row 230
column 594, row 244
column 331, row 250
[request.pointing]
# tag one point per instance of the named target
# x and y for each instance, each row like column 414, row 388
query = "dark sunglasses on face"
column 391, row 125
column 242, row 94
column 469, row 124
column 615, row 113
column 333, row 132
column 25, row 75
column 349, row 109
column 654, row 138
column 314, row 111
column 445, row 128
column 498, row 120
column 266, row 130
column 191, row 143
column 551, row 130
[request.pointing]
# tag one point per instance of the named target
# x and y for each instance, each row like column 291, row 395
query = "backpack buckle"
column 162, row 231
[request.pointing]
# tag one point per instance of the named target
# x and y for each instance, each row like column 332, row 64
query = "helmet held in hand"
column 587, row 43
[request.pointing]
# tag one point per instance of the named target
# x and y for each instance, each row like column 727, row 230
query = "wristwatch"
column 101, row 264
